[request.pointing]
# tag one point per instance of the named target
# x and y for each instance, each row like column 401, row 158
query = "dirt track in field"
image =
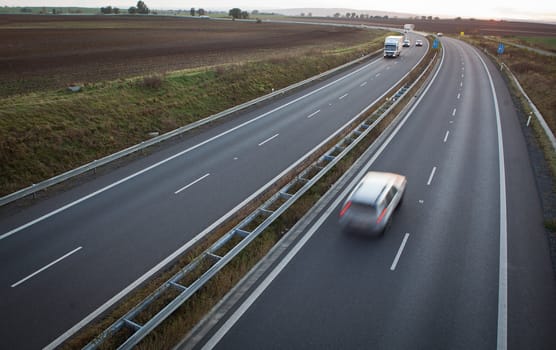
column 56, row 50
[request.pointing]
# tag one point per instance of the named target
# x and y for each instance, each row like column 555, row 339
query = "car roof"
column 372, row 186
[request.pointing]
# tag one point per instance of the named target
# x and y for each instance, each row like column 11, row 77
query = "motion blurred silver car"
column 369, row 207
column 418, row 42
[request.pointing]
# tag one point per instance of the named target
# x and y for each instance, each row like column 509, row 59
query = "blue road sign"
column 500, row 48
column 435, row 44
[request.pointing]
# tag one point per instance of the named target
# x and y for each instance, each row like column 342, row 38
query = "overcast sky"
column 517, row 9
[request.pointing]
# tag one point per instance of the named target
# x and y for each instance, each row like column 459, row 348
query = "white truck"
column 393, row 45
column 408, row 27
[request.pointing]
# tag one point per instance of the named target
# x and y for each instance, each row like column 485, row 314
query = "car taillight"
column 381, row 216
column 345, row 208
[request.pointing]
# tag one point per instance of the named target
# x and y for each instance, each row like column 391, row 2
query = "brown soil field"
column 454, row 26
column 42, row 52
column 39, row 52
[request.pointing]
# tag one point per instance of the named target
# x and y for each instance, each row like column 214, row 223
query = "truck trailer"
column 393, row 46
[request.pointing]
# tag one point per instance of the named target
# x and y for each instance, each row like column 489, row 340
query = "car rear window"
column 363, row 209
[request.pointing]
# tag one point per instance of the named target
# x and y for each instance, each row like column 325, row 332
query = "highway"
column 65, row 257
column 464, row 265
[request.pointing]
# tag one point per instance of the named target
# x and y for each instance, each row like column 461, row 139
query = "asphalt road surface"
column 465, row 263
column 63, row 258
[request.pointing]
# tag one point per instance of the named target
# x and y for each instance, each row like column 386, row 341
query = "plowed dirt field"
column 39, row 52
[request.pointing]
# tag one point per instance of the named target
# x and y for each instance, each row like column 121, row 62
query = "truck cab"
column 393, row 46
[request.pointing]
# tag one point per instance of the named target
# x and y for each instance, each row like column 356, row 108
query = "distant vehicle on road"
column 418, row 42
column 406, row 43
column 439, row 34
column 408, row 27
column 393, row 45
column 369, row 207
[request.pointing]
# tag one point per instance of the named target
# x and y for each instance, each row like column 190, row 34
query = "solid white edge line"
column 502, row 334
column 446, row 136
column 269, row 139
column 399, row 254
column 313, row 114
column 431, row 176
column 191, row 184
column 213, row 341
column 45, row 267
column 82, row 199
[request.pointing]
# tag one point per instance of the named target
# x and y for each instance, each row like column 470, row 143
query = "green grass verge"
column 43, row 134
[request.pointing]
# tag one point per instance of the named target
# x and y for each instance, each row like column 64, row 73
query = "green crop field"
column 545, row 43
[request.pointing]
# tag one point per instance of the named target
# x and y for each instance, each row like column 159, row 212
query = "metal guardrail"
column 34, row 188
column 219, row 254
column 537, row 113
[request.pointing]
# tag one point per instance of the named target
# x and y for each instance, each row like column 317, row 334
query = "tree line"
column 142, row 8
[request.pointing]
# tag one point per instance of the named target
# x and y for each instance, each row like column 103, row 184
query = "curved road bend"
column 434, row 280
column 58, row 270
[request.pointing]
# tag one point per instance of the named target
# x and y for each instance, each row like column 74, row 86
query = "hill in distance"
column 329, row 12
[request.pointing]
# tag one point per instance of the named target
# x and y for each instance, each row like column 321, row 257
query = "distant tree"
column 116, row 10
column 302, row 14
column 353, row 15
column 201, row 12
column 423, row 18
column 192, row 11
column 235, row 13
column 132, row 10
column 244, row 14
column 255, row 12
column 385, row 17
column 142, row 8
column 337, row 15
column 106, row 10
column 310, row 14
column 458, row 18
column 348, row 14
column 436, row 18
column 26, row 10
